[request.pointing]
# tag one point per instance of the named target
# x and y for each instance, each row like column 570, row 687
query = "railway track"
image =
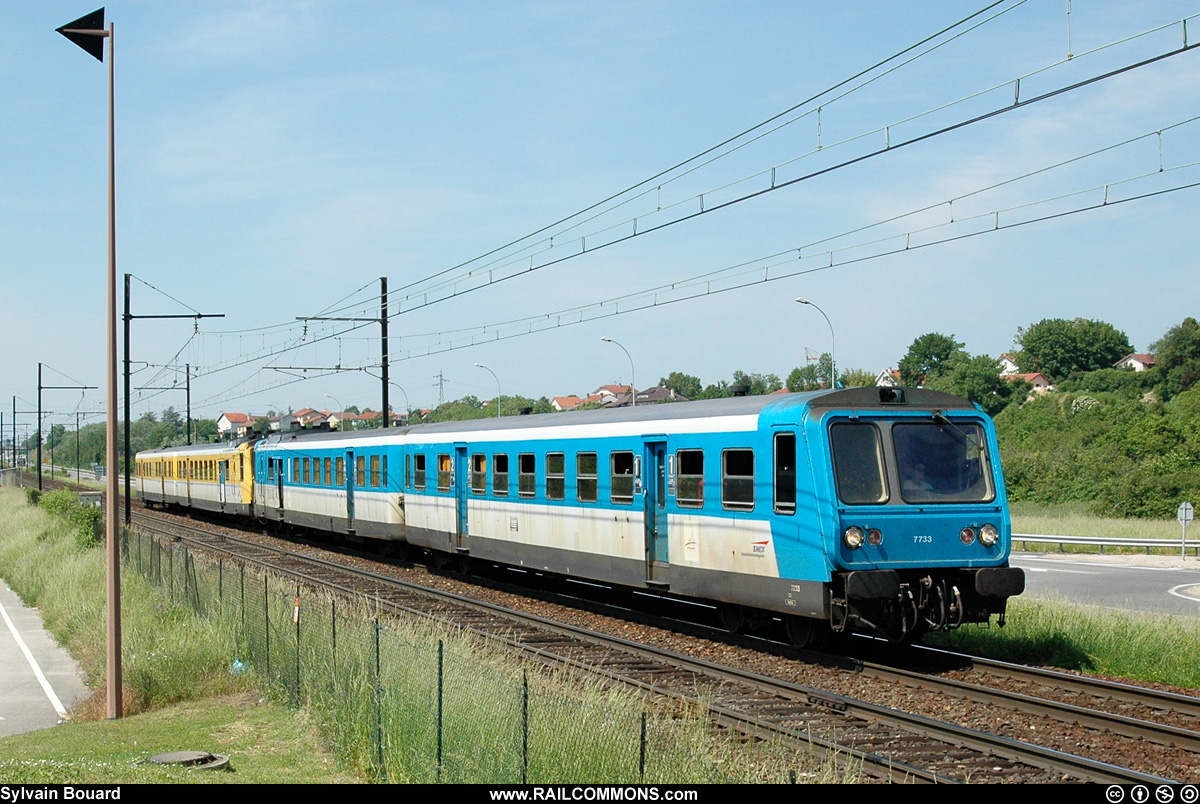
column 888, row 742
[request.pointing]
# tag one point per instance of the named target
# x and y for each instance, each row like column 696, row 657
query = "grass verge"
column 370, row 690
column 1089, row 639
column 1072, row 519
column 268, row 743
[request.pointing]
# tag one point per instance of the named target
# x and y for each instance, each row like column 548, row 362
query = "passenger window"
column 858, row 463
column 785, row 473
column 479, row 473
column 737, row 479
column 307, row 473
column 555, row 476
column 375, row 471
column 360, row 471
column 419, row 471
column 585, row 477
column 408, row 471
column 296, row 470
column 690, row 492
column 527, row 474
column 500, row 474
column 621, row 477
column 383, row 479
column 445, row 470
column 340, row 467
column 328, row 471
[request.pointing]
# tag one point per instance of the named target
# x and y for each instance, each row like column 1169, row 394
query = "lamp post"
column 632, row 374
column 407, row 406
column 832, row 343
column 341, row 410
column 88, row 33
column 499, row 398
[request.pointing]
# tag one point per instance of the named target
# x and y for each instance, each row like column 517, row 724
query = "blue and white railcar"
column 336, row 482
column 877, row 509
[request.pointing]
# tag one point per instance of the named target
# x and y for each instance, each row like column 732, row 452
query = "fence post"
column 440, row 659
column 524, row 726
column 242, row 592
column 267, row 622
column 296, row 619
column 642, row 751
column 378, row 708
column 333, row 635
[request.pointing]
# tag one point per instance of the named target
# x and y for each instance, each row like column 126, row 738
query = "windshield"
column 942, row 462
column 858, row 463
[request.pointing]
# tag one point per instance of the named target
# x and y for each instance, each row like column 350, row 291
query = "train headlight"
column 853, row 537
column 966, row 535
column 988, row 535
column 874, row 537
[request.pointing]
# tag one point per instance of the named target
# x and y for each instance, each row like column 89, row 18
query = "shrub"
column 84, row 519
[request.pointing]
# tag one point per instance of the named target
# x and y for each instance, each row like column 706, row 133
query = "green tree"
column 1057, row 347
column 812, row 376
column 757, row 384
column 1178, row 358
column 978, row 379
column 855, row 378
column 715, row 390
column 927, row 356
column 684, row 384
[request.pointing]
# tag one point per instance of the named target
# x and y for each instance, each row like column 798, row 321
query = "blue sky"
column 275, row 158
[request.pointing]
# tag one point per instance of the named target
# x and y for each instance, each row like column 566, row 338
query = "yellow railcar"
column 212, row 477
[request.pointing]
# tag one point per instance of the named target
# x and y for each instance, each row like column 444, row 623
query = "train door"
column 349, row 490
column 222, row 473
column 461, row 476
column 655, row 501
column 279, row 482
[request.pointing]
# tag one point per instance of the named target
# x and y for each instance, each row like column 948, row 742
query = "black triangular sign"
column 92, row 43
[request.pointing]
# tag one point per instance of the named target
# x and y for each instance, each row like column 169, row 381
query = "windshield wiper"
column 967, row 438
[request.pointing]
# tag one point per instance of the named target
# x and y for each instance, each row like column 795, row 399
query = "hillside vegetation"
column 1123, row 454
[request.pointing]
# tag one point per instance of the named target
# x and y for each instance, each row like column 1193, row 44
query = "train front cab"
column 918, row 533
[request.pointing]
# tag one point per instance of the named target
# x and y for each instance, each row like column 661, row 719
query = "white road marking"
column 37, row 671
column 1174, row 590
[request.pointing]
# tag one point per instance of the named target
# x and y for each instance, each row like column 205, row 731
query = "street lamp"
column 497, row 379
column 88, row 33
column 632, row 375
column 341, row 409
column 407, row 406
column 832, row 343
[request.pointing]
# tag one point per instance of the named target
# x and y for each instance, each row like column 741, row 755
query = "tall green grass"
column 1090, row 639
column 373, row 685
column 168, row 654
column 1073, row 519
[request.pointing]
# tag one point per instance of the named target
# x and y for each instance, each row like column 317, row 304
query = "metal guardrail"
column 1094, row 541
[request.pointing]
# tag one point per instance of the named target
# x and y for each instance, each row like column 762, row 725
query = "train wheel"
column 732, row 617
column 800, row 630
column 463, row 564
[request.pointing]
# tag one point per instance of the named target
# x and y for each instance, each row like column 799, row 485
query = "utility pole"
column 128, row 318
column 383, row 330
column 39, row 419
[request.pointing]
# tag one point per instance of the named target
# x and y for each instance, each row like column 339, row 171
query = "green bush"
column 1120, row 454
column 84, row 519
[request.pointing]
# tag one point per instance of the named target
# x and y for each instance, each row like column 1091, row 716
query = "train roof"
column 196, row 449
column 869, row 397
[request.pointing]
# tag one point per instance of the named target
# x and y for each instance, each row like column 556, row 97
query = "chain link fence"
column 414, row 703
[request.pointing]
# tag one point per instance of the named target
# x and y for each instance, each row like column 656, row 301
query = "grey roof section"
column 866, row 397
column 872, row 396
column 201, row 449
